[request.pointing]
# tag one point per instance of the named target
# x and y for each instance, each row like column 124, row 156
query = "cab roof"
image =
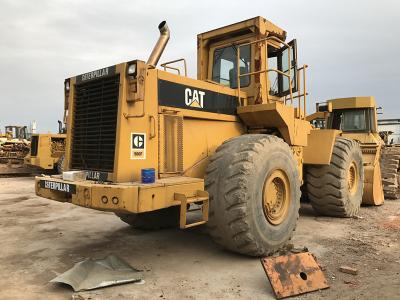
column 353, row 102
column 254, row 25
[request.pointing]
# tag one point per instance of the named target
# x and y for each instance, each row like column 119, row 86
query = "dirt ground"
column 41, row 239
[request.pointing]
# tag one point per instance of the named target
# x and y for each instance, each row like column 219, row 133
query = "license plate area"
column 58, row 186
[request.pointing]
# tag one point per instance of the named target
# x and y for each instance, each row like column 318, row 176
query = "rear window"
column 224, row 69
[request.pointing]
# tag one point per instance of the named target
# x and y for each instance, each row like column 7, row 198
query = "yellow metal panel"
column 132, row 197
column 353, row 102
column 317, row 115
column 152, row 199
column 137, row 117
column 320, row 146
column 200, row 140
column 189, row 190
column 199, row 114
column 263, row 25
column 157, row 197
column 364, row 138
column 277, row 115
column 46, row 158
column 301, row 130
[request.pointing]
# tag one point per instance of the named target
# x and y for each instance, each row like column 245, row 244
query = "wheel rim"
column 276, row 197
column 352, row 178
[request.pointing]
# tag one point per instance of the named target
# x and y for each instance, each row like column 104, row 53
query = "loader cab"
column 352, row 120
column 353, row 115
column 254, row 53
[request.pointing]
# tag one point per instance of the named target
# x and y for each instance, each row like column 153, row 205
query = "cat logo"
column 138, row 145
column 138, row 141
column 194, row 98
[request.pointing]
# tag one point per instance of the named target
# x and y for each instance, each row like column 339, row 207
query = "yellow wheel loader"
column 356, row 118
column 47, row 150
column 151, row 144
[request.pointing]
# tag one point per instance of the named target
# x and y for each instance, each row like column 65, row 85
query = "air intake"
column 94, row 124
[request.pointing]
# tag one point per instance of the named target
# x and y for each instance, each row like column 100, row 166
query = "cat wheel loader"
column 356, row 118
column 47, row 150
column 232, row 143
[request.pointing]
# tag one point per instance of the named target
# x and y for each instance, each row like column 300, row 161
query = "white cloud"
column 350, row 46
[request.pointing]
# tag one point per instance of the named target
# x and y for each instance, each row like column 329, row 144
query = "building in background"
column 391, row 129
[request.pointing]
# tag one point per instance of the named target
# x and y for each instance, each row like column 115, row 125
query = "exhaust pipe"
column 160, row 46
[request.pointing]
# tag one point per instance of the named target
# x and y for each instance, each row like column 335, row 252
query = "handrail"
column 286, row 74
column 289, row 75
column 304, row 89
column 165, row 65
column 304, row 94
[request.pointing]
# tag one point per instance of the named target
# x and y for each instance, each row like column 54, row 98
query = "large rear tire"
column 254, row 189
column 158, row 219
column 336, row 189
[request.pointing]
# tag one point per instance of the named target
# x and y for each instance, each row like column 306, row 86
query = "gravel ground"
column 42, row 238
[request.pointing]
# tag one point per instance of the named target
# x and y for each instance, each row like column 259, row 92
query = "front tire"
column 336, row 189
column 254, row 190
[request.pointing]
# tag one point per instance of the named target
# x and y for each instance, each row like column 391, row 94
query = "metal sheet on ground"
column 294, row 274
column 96, row 273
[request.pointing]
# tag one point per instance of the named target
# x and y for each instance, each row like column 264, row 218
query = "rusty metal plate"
column 294, row 274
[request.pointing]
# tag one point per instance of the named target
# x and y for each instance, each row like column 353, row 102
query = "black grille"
column 94, row 124
column 34, row 145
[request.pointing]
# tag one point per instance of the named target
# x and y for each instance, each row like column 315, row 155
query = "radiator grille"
column 34, row 145
column 173, row 144
column 94, row 124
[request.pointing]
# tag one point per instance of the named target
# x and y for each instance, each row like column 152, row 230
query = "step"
column 201, row 198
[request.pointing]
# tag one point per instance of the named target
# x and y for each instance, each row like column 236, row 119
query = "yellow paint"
column 370, row 142
column 133, row 197
column 48, row 154
column 320, row 146
column 180, row 141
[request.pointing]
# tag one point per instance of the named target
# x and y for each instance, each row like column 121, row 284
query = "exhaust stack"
column 160, row 46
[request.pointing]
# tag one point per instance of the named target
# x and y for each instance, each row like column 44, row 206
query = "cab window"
column 350, row 120
column 224, row 69
column 278, row 59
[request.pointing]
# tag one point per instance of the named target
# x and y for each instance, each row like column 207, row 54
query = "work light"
column 66, row 85
column 132, row 69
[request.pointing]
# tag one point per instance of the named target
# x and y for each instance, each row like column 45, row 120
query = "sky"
column 351, row 46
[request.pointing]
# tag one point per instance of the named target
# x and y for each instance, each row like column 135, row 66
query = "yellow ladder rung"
column 201, row 196
column 194, row 224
